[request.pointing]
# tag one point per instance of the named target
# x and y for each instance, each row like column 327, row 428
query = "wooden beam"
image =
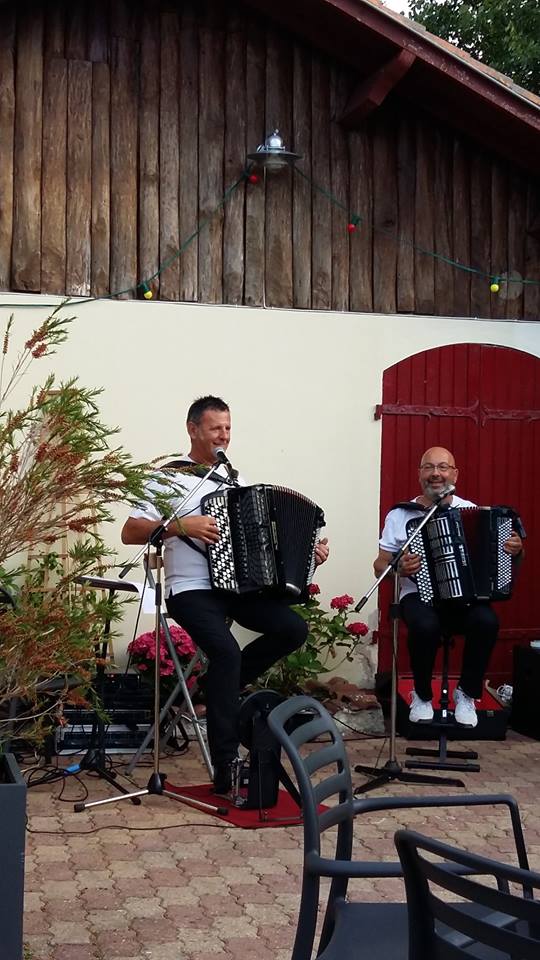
column 372, row 92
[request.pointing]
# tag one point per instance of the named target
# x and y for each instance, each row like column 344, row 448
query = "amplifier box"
column 525, row 716
column 492, row 717
column 118, row 738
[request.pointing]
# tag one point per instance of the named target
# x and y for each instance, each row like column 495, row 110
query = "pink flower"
column 357, row 629
column 314, row 589
column 142, row 649
column 341, row 603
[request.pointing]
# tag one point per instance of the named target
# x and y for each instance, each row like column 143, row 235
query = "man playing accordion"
column 476, row 620
column 206, row 613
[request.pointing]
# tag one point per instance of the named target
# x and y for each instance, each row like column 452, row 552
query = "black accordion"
column 267, row 539
column 462, row 554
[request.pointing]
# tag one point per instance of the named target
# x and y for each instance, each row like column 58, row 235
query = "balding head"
column 438, row 455
column 437, row 470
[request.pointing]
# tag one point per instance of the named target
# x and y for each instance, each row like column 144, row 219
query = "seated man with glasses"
column 477, row 621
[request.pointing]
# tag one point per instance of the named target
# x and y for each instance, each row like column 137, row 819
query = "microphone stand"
column 392, row 769
column 157, row 784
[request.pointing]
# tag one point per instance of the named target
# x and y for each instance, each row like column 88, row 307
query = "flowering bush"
column 142, row 653
column 329, row 636
column 60, row 474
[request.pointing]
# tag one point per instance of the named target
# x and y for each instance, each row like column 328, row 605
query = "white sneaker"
column 421, row 710
column 465, row 710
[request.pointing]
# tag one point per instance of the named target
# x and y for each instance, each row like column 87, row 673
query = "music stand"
column 94, row 760
column 392, row 769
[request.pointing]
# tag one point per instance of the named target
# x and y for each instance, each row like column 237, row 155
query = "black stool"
column 443, row 759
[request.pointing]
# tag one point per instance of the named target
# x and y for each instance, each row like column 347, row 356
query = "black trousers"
column 204, row 613
column 477, row 621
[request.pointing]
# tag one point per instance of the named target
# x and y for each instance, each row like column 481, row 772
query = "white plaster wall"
column 302, row 387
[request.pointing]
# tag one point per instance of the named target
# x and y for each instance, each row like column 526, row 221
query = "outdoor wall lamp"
column 272, row 155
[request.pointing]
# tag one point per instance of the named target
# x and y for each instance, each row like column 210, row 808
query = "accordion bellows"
column 267, row 539
column 462, row 554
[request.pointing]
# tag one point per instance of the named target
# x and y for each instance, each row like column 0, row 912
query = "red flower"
column 341, row 603
column 357, row 629
column 314, row 589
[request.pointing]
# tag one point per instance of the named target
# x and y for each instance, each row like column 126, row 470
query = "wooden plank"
column 53, row 214
column 169, row 241
column 149, row 120
column 372, row 91
column 361, row 186
column 235, row 158
column 26, row 271
column 461, row 229
column 98, row 31
column 76, row 30
column 211, row 135
column 125, row 20
column 499, row 231
column 443, row 234
column 480, row 234
column 54, row 28
column 301, row 213
column 278, row 259
column 531, row 292
column 7, row 137
column 189, row 152
column 385, row 208
column 321, row 278
column 255, row 133
column 513, row 291
column 339, row 165
column 101, row 179
column 79, row 178
column 406, row 178
column 124, row 110
column 424, row 267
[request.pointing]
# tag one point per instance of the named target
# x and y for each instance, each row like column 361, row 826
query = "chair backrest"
column 300, row 721
column 506, row 923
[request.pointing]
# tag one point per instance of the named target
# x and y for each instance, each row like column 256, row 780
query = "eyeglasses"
column 441, row 467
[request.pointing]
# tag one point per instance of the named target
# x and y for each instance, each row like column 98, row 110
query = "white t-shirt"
column 394, row 535
column 185, row 568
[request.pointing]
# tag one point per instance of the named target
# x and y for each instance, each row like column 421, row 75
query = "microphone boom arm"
column 393, row 564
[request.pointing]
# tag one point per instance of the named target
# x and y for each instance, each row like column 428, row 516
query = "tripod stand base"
column 157, row 786
column 393, row 770
column 92, row 762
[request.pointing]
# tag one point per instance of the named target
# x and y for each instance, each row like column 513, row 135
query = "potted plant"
column 59, row 476
column 333, row 639
column 142, row 655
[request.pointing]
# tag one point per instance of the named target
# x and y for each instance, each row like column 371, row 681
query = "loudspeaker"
column 264, row 749
column 525, row 717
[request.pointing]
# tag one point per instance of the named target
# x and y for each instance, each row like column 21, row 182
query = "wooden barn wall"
column 122, row 124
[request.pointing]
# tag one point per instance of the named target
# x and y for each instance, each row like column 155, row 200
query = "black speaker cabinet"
column 525, row 716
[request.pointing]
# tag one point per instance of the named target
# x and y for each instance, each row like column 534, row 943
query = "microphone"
column 444, row 493
column 222, row 457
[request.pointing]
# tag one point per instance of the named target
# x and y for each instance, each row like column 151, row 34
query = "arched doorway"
column 483, row 403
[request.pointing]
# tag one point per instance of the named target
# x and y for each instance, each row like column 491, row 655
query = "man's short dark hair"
column 200, row 406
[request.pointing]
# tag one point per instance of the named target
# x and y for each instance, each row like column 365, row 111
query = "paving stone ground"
column 163, row 882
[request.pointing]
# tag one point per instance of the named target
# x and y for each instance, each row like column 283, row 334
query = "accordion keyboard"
column 222, row 552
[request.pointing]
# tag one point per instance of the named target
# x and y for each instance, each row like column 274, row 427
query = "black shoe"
column 223, row 778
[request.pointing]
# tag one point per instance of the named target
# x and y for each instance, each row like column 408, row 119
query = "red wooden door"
column 482, row 403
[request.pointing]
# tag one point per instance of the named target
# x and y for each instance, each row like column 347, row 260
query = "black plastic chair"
column 351, row 930
column 489, row 923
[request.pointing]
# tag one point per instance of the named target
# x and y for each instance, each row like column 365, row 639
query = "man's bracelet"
column 180, row 528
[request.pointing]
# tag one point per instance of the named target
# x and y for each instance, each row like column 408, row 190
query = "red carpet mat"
column 285, row 813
